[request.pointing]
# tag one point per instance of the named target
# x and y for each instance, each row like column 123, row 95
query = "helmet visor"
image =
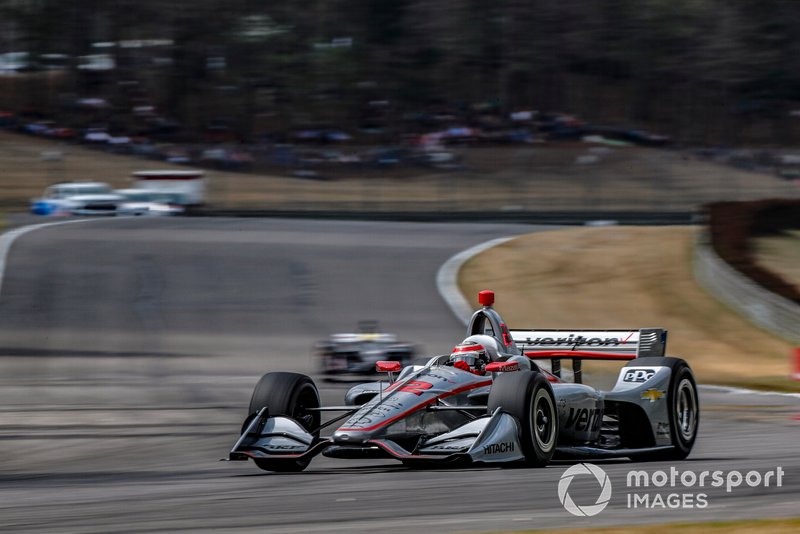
column 471, row 359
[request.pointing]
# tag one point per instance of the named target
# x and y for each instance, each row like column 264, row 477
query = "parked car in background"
column 95, row 205
column 77, row 198
column 150, row 202
column 13, row 62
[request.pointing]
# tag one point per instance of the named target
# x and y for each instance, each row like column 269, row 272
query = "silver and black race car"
column 355, row 354
column 487, row 402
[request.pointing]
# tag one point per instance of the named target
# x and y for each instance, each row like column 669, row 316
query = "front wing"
column 489, row 439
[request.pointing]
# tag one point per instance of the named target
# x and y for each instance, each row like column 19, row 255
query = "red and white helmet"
column 489, row 343
column 470, row 355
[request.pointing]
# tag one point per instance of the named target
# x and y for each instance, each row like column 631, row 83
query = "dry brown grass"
column 626, row 277
column 758, row 526
column 528, row 177
column 24, row 173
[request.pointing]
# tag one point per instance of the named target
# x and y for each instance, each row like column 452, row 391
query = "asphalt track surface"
column 129, row 349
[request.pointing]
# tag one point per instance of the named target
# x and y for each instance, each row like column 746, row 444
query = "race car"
column 355, row 354
column 487, row 402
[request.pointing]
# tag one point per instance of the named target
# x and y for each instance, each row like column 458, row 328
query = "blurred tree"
column 322, row 61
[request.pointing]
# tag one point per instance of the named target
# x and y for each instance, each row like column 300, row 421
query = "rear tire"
column 528, row 397
column 289, row 395
column 683, row 407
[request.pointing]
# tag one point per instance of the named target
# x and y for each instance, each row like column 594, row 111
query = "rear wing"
column 576, row 345
column 592, row 344
column 589, row 345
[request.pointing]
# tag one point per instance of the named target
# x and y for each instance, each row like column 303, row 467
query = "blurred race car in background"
column 347, row 354
column 489, row 401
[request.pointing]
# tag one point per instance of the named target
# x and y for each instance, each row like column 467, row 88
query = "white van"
column 190, row 185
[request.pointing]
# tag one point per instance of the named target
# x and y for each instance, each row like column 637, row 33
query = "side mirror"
column 388, row 367
column 502, row 367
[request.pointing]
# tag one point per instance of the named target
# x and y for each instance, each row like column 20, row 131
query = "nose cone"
column 349, row 437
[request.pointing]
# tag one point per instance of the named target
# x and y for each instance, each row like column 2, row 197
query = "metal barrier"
column 764, row 308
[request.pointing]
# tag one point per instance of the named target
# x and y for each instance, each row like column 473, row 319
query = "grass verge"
column 760, row 526
column 548, row 177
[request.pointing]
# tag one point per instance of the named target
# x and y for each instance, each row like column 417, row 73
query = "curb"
column 7, row 239
column 447, row 279
column 744, row 391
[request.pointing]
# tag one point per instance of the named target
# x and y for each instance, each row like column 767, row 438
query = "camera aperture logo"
column 586, row 510
column 663, row 489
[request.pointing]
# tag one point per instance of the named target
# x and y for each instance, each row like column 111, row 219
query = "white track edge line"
column 447, row 285
column 447, row 279
column 7, row 239
column 744, row 391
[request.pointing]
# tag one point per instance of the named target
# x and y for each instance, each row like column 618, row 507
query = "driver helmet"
column 489, row 343
column 469, row 356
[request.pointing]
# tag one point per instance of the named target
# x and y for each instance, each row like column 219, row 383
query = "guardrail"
column 764, row 308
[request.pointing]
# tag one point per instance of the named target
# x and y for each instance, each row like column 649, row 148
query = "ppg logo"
column 638, row 375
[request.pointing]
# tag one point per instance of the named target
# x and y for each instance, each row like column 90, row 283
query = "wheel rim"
column 686, row 410
column 306, row 399
column 543, row 414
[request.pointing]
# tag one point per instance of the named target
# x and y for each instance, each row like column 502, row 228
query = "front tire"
column 528, row 396
column 289, row 395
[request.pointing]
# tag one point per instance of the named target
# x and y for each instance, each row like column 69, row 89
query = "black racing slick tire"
column 290, row 395
column 528, row 397
column 683, row 406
